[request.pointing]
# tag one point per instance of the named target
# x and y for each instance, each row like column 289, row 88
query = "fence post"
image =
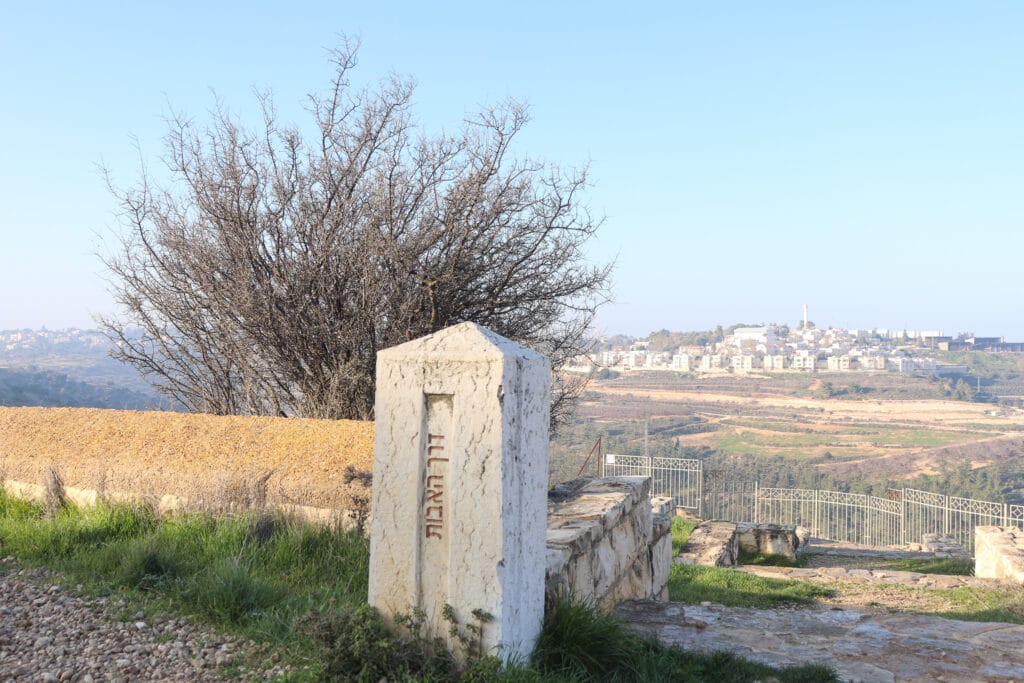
column 867, row 520
column 700, row 498
column 945, row 530
column 757, row 502
column 816, row 516
column 903, row 516
column 700, row 488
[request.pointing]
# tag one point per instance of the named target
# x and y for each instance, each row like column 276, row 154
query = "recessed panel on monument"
column 459, row 485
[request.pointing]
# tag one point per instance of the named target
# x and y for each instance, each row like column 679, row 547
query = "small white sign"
column 609, row 458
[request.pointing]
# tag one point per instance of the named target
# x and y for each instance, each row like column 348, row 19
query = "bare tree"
column 267, row 271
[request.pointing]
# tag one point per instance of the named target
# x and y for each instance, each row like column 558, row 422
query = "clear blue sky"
column 864, row 158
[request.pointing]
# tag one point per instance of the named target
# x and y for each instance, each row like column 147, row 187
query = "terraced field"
column 768, row 419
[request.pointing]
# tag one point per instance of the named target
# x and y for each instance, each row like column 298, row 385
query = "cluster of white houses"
column 757, row 349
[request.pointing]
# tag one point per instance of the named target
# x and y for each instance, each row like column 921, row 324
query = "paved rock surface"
column 49, row 634
column 846, row 575
column 861, row 646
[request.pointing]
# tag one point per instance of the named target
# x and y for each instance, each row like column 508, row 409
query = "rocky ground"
column 861, row 646
column 48, row 633
column 878, row 627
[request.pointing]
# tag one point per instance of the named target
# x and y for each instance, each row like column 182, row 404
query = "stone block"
column 943, row 546
column 460, row 479
column 712, row 544
column 999, row 553
column 769, row 539
column 661, row 564
column 662, row 514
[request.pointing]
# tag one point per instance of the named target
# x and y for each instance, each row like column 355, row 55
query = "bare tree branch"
column 267, row 272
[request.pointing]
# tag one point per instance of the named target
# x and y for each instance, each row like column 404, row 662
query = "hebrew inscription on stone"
column 435, row 505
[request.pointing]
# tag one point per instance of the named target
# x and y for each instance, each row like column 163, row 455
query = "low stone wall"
column 607, row 541
column 999, row 553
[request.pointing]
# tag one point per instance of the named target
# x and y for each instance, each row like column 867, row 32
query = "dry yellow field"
column 941, row 412
column 882, row 438
column 160, row 453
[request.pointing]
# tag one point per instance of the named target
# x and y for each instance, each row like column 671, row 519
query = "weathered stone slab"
column 943, row 546
column 768, row 539
column 459, row 482
column 861, row 646
column 712, row 544
column 999, row 553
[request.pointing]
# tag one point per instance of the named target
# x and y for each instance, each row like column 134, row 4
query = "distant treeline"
column 997, row 483
column 53, row 389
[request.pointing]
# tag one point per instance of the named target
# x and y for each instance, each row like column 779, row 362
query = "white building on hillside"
column 681, row 361
column 712, row 361
column 872, row 362
column 838, row 363
column 758, row 338
column 744, row 362
column 803, row 360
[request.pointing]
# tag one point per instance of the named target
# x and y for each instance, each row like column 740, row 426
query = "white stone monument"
column 460, row 484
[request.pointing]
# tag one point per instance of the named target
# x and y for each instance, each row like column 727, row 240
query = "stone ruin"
column 718, row 544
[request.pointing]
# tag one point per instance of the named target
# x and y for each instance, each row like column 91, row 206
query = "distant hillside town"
column 776, row 348
column 68, row 367
column 33, row 343
column 737, row 349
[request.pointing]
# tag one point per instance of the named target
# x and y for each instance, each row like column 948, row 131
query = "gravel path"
column 49, row 634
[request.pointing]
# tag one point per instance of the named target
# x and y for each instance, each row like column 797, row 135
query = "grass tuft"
column 229, row 593
column 951, row 566
column 681, row 530
column 580, row 644
column 770, row 559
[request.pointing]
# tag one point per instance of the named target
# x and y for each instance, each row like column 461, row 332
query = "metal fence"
column 903, row 517
column 678, row 478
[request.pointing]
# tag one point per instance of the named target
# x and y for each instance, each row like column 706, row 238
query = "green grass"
column 694, row 584
column 579, row 644
column 801, row 440
column 253, row 575
column 1001, row 604
column 681, row 530
column 770, row 559
column 300, row 592
column 951, row 566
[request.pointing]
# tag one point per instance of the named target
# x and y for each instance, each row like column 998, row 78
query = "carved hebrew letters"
column 437, row 468
column 435, row 499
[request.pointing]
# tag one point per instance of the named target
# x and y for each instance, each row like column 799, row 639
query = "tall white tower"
column 805, row 316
